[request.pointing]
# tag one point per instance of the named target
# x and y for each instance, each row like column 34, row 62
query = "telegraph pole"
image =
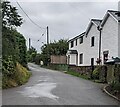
column 47, row 47
column 47, row 35
column 29, row 43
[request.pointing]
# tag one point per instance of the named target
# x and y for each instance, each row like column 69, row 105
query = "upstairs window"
column 92, row 41
column 76, row 42
column 72, row 44
column 81, row 58
column 81, row 39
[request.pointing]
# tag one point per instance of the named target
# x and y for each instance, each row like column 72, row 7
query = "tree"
column 21, row 49
column 10, row 16
column 56, row 48
column 13, row 48
column 31, row 54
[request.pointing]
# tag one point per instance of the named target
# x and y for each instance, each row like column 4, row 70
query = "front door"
column 92, row 66
column 92, row 61
column 68, row 60
column 76, row 59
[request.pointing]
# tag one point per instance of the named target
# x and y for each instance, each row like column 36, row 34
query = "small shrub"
column 115, row 86
column 96, row 73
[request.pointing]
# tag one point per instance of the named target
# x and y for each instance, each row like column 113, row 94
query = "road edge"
column 104, row 89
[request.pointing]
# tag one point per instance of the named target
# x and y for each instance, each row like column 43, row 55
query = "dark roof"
column 82, row 34
column 96, row 21
column 72, row 52
column 113, row 13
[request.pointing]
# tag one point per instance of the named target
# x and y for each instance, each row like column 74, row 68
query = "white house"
column 101, row 40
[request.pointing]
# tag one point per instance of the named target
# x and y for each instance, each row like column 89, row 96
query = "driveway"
column 49, row 87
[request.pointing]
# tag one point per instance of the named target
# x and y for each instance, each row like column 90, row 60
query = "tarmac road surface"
column 49, row 87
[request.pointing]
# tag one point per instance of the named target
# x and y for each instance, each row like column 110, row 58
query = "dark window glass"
column 92, row 61
column 92, row 41
column 72, row 44
column 81, row 39
column 81, row 58
column 76, row 42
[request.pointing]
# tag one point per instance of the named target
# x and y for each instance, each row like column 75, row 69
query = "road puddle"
column 42, row 89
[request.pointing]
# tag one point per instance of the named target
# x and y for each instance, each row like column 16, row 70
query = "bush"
column 115, row 86
column 96, row 72
column 20, row 77
column 8, row 67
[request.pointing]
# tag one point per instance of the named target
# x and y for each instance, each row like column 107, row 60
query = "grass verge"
column 77, row 74
column 20, row 77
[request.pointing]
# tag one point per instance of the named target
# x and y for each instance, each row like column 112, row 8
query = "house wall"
column 85, row 48
column 88, row 51
column 110, row 41
column 110, row 38
column 119, row 39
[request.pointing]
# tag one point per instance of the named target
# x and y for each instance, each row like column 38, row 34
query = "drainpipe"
column 100, row 30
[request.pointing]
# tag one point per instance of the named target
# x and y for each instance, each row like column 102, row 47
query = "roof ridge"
column 76, row 36
column 112, row 11
column 96, row 20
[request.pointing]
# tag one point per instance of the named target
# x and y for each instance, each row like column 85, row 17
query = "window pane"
column 76, row 42
column 92, row 41
column 81, row 58
column 72, row 44
column 81, row 39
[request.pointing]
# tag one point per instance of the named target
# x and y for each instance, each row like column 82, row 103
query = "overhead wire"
column 32, row 22
column 42, row 35
column 29, row 17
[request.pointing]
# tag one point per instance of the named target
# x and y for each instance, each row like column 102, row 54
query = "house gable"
column 112, row 14
column 96, row 22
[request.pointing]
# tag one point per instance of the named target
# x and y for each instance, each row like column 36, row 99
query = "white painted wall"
column 88, row 51
column 110, row 38
column 110, row 41
column 85, row 48
column 119, row 39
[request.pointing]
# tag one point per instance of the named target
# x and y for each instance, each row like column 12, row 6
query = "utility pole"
column 47, row 35
column 48, row 55
column 29, row 43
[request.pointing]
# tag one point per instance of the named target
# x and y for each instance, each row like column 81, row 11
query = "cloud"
column 65, row 19
column 66, row 0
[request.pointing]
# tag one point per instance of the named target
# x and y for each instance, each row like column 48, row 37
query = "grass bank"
column 65, row 69
column 20, row 77
column 77, row 74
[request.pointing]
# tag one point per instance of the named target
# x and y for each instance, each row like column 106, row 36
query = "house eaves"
column 96, row 22
column 82, row 34
column 72, row 52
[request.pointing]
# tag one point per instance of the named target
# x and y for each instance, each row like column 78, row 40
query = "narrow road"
column 49, row 87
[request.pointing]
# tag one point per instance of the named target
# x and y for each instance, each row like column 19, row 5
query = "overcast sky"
column 65, row 19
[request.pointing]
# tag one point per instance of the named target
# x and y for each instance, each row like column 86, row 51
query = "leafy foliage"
column 21, row 49
column 10, row 17
column 96, row 72
column 8, row 67
column 55, row 48
column 31, row 54
column 13, row 48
